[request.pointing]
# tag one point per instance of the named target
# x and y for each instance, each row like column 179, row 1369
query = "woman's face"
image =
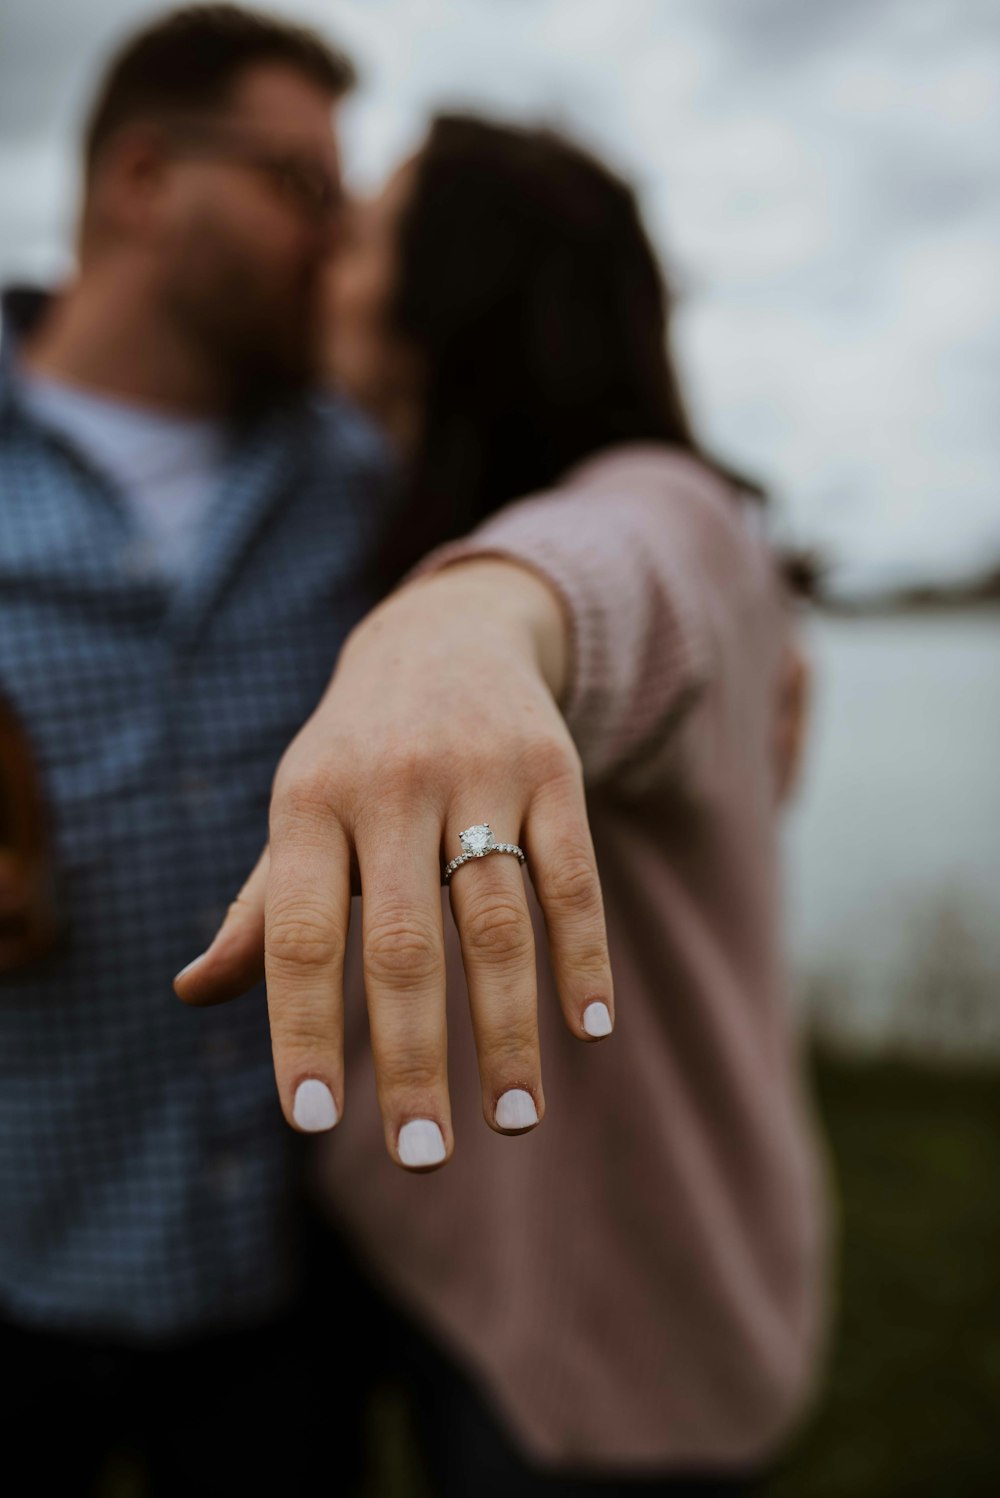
column 364, row 356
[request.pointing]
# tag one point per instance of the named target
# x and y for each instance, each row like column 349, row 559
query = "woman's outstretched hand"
column 442, row 712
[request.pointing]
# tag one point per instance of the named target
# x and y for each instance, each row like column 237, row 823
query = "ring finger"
column 490, row 909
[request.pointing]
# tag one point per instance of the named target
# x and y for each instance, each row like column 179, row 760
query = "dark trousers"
column 248, row 1411
column 280, row 1408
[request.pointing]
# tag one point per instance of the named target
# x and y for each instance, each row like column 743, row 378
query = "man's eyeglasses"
column 309, row 184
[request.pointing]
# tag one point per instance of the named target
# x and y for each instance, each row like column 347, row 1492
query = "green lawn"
column 912, row 1406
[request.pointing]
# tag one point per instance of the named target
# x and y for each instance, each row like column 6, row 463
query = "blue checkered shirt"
column 147, row 1175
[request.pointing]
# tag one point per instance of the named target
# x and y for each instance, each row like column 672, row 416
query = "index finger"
column 233, row 961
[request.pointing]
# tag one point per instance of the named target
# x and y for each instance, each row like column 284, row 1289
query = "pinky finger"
column 563, row 868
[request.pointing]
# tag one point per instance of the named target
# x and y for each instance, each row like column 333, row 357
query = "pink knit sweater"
column 640, row 1281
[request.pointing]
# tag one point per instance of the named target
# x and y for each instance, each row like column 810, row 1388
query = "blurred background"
column 823, row 183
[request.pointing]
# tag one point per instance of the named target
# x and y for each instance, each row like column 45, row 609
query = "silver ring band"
column 478, row 840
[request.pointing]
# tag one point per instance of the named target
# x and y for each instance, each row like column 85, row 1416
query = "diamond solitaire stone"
column 478, row 839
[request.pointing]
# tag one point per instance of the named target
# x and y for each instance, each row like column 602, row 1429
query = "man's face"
column 244, row 236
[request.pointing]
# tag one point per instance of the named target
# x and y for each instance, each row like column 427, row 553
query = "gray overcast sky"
column 822, row 179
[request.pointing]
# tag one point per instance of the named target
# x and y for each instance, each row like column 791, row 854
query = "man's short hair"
column 191, row 59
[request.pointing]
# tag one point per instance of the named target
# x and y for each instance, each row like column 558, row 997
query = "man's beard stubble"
column 264, row 351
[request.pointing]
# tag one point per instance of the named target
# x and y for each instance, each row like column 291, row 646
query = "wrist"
column 511, row 594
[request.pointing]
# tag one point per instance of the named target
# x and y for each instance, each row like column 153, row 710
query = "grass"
column 912, row 1402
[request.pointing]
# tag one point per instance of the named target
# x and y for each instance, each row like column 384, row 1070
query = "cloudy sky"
column 822, row 180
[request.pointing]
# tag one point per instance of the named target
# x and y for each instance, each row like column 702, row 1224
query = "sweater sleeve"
column 648, row 554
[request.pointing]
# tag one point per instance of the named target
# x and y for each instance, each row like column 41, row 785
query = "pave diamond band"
column 478, row 840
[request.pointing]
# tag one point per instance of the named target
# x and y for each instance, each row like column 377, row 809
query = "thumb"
column 233, row 961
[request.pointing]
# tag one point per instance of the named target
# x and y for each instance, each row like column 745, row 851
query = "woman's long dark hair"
column 530, row 291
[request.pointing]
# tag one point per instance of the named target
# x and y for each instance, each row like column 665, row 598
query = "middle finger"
column 404, row 976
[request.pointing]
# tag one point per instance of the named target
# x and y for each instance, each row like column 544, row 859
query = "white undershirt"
column 167, row 467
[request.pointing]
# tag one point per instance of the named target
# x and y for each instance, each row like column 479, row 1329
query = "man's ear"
column 128, row 187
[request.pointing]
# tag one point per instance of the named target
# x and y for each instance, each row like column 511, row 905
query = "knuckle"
column 551, row 760
column 400, row 950
column 303, row 1035
column 409, row 1074
column 407, row 768
column 514, row 1051
column 304, row 938
column 301, row 798
column 591, row 966
column 499, row 929
column 391, row 785
column 571, row 883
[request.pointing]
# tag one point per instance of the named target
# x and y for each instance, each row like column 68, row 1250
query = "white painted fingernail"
column 314, row 1108
column 597, row 1019
column 421, row 1142
column 516, row 1109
